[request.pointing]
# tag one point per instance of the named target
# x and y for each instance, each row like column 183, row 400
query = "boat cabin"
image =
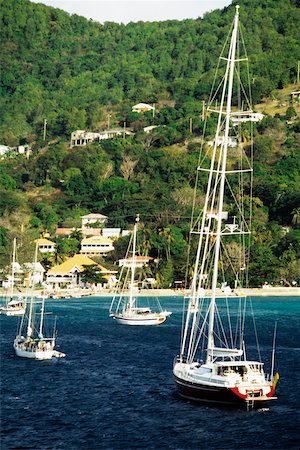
column 239, row 367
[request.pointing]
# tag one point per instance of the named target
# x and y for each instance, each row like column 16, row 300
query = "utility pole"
column 124, row 130
column 191, row 125
column 45, row 129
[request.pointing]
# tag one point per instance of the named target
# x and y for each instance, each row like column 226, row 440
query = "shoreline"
column 82, row 293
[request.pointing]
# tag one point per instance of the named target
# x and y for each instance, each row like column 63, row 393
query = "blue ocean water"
column 114, row 389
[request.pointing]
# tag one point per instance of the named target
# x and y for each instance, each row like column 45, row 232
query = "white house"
column 4, row 149
column 246, row 117
column 82, row 137
column 140, row 261
column 34, row 272
column 232, row 142
column 150, row 128
column 213, row 214
column 142, row 107
column 96, row 246
column 45, row 246
column 20, row 149
column 92, row 218
column 16, row 280
column 111, row 232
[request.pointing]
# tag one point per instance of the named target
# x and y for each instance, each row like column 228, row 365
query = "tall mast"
column 133, row 262
column 42, row 319
column 230, row 69
column 13, row 268
column 30, row 318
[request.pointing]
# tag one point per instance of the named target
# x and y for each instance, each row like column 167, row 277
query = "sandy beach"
column 253, row 292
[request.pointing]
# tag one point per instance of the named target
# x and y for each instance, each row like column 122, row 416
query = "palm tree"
column 166, row 233
column 296, row 216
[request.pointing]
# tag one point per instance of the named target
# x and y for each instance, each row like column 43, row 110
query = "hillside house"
column 140, row 261
column 65, row 232
column 45, row 246
column 113, row 233
column 4, row 149
column 93, row 218
column 150, row 128
column 246, row 117
column 142, row 107
column 81, row 138
column 295, row 96
column 19, row 150
column 96, row 246
column 232, row 142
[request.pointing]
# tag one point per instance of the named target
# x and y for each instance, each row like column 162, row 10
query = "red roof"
column 64, row 231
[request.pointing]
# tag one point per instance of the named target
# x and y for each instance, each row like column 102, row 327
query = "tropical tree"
column 296, row 216
column 92, row 274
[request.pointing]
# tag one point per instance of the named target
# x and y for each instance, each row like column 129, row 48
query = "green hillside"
column 79, row 74
column 73, row 71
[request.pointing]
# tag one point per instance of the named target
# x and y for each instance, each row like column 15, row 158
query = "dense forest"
column 81, row 75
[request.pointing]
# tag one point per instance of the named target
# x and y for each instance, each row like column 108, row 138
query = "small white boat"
column 30, row 341
column 141, row 316
column 127, row 306
column 15, row 307
column 15, row 304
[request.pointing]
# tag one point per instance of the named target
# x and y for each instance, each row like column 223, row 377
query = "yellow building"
column 69, row 273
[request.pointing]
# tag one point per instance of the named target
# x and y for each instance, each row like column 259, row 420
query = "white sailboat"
column 212, row 365
column 30, row 341
column 15, row 304
column 127, row 306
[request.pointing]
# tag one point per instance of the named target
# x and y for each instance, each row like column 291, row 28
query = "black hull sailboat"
column 212, row 365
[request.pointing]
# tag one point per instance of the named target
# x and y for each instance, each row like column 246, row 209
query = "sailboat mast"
column 30, row 318
column 133, row 262
column 230, row 67
column 13, row 268
column 42, row 318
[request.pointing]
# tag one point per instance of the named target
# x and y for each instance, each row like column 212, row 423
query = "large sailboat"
column 128, row 307
column 31, row 341
column 15, row 303
column 212, row 365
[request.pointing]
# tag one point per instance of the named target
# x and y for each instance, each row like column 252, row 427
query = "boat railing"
column 183, row 359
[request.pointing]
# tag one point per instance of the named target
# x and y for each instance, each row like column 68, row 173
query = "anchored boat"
column 212, row 365
column 128, row 307
column 31, row 340
column 15, row 303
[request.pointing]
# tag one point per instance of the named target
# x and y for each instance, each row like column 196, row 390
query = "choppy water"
column 114, row 390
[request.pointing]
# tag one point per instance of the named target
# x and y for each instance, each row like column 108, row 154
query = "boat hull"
column 145, row 321
column 12, row 312
column 216, row 394
column 41, row 351
column 35, row 354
